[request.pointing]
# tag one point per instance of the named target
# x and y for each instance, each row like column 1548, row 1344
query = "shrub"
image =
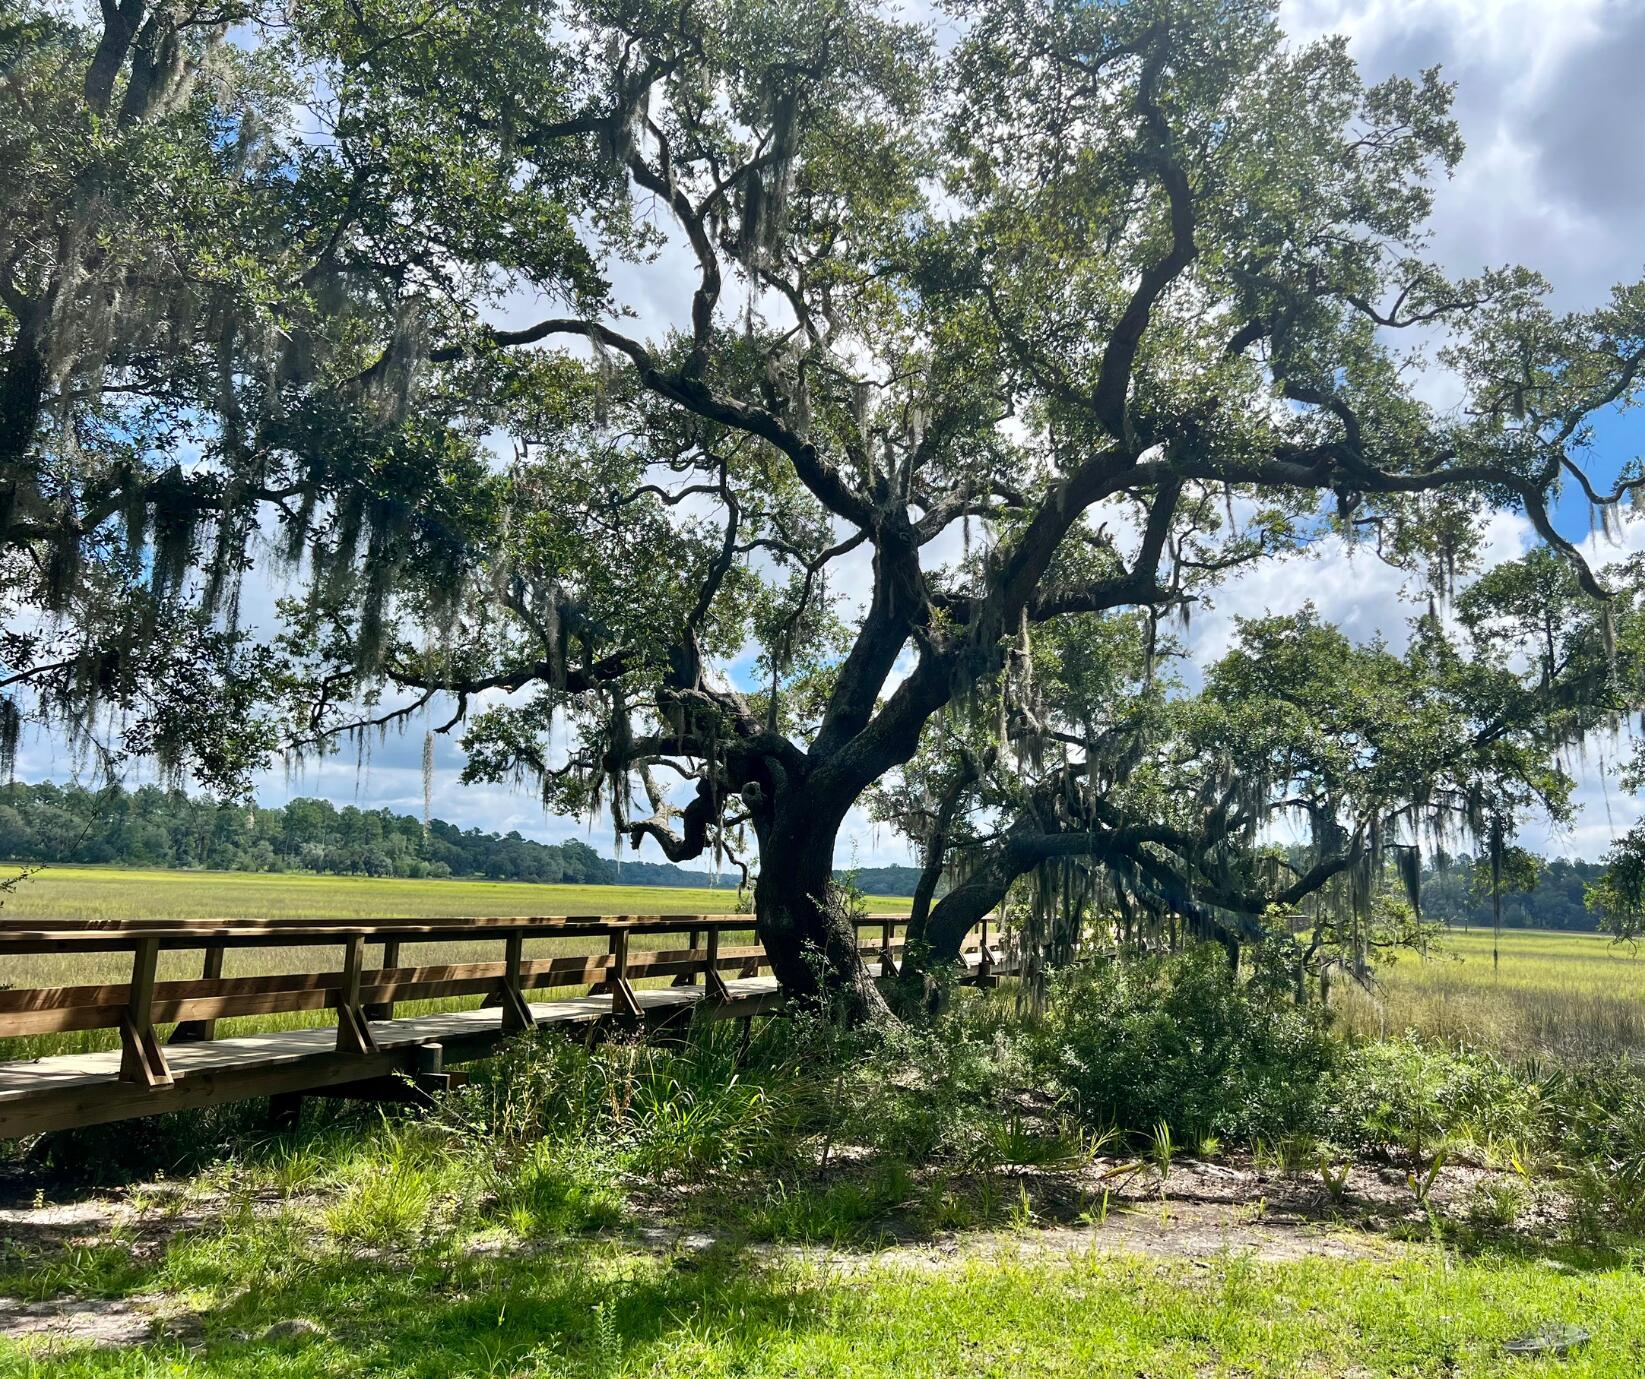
column 1403, row 1093
column 1599, row 1115
column 1183, row 1041
column 926, row 1092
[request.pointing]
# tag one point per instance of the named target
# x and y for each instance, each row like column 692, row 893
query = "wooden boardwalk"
column 367, row 1051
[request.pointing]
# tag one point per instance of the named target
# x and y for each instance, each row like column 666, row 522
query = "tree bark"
column 807, row 934
column 960, row 911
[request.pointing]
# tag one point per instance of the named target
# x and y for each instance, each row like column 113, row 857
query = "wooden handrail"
column 360, row 994
column 90, row 936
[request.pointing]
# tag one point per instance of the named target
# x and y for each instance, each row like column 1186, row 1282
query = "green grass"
column 602, row 1309
column 1569, row 995
column 129, row 893
column 501, row 1235
column 116, row 893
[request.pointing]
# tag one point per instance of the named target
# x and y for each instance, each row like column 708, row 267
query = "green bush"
column 1183, row 1041
column 919, row 1093
column 1405, row 1094
column 1596, row 1116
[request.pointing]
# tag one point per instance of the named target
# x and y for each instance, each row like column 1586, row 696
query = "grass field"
column 1567, row 995
column 607, row 1311
column 115, row 893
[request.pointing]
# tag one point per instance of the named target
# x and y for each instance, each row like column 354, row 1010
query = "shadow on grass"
column 578, row 1309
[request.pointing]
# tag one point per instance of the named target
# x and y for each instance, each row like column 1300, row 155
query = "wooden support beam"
column 985, row 962
column 888, row 957
column 198, row 1031
column 353, row 1031
column 714, row 988
column 623, row 1000
column 142, row 1060
column 516, row 1013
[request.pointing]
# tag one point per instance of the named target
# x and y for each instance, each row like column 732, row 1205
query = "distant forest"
column 152, row 827
column 1556, row 902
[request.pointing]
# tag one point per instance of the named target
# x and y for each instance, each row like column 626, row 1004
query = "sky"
column 1554, row 177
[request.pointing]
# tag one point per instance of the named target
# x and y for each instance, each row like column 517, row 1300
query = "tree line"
column 155, row 827
column 1458, row 894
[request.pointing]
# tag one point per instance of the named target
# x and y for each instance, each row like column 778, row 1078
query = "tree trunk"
column 807, row 934
column 960, row 911
column 22, row 385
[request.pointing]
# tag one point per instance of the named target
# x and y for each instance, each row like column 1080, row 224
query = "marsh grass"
column 1569, row 996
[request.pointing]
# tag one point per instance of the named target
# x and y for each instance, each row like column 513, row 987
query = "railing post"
column 516, row 1013
column 985, row 960
column 888, row 959
column 689, row 976
column 623, row 1000
column 714, row 988
column 384, row 1010
column 353, row 1031
column 142, row 1060
column 199, row 1031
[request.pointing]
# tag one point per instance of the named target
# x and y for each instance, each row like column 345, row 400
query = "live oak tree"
column 960, row 346
column 1120, row 801
column 228, row 232
column 1113, row 304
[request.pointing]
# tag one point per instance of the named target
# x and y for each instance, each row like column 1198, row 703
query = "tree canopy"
column 977, row 366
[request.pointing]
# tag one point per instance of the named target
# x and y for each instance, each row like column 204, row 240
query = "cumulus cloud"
column 1554, row 176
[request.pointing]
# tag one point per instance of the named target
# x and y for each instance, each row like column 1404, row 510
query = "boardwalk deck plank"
column 19, row 1081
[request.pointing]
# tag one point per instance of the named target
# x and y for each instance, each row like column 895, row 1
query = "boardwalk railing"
column 375, row 973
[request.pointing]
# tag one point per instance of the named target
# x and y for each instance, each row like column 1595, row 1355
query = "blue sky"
column 1554, row 178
